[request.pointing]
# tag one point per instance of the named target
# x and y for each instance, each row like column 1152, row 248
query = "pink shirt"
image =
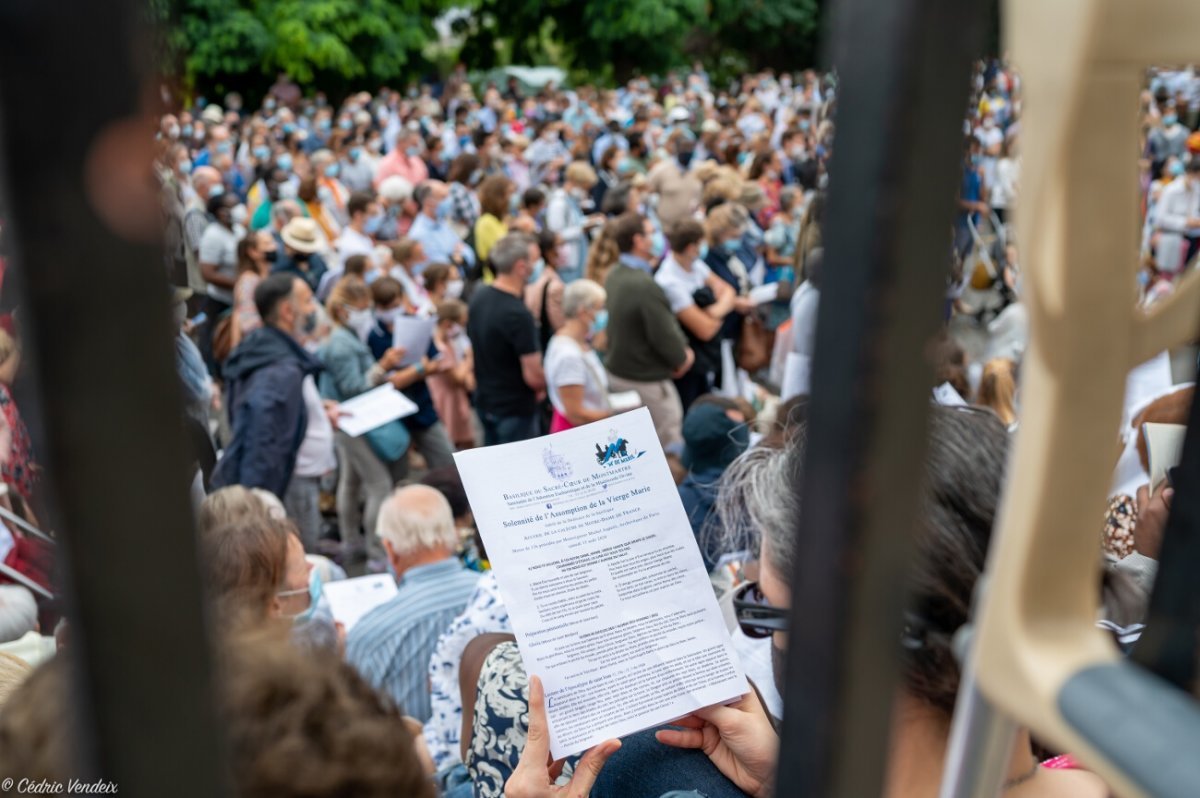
column 397, row 163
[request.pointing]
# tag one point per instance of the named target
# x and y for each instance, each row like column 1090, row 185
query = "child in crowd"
column 452, row 387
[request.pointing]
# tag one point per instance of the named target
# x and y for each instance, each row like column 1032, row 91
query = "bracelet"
column 420, row 367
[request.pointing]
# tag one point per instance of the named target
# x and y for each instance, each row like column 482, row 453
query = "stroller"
column 983, row 293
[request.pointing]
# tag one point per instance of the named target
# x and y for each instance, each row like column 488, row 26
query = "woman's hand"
column 391, row 358
column 535, row 773
column 739, row 739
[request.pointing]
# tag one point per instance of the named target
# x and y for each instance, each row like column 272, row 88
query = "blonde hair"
column 998, row 389
column 417, row 518
column 581, row 295
column 13, row 671
column 721, row 188
column 347, row 291
column 581, row 173
column 724, row 219
column 603, row 253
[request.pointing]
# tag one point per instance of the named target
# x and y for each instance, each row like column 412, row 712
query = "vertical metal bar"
column 904, row 79
column 981, row 737
column 76, row 149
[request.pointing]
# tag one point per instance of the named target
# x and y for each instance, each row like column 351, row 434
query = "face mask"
column 173, row 131
column 538, row 267
column 362, row 321
column 314, row 597
column 732, row 245
column 289, row 128
column 186, row 131
column 375, row 146
column 262, row 152
column 1143, row 278
column 355, row 154
column 805, row 124
column 703, row 250
column 307, row 323
column 271, row 255
column 1169, row 119
column 600, row 323
column 331, row 170
column 216, row 191
column 224, row 147
column 185, row 166
column 658, row 245
column 413, row 152
column 1176, row 169
column 371, row 227
column 454, row 289
column 454, row 331
column 324, row 194
column 685, row 158
column 975, row 159
column 475, row 177
column 443, row 209
column 346, row 124
column 239, row 214
column 269, row 104
column 288, row 190
column 390, row 315
column 284, row 162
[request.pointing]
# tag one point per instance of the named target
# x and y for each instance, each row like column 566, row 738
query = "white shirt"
column 680, row 284
column 315, row 457
column 350, row 243
column 567, row 364
column 1179, row 202
column 415, row 292
column 1004, row 188
column 218, row 245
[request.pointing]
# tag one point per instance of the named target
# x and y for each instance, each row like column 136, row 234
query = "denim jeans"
column 645, row 768
column 507, row 429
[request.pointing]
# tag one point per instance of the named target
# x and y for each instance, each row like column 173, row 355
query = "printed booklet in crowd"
column 602, row 579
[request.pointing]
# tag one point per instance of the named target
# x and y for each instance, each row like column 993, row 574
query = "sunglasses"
column 755, row 614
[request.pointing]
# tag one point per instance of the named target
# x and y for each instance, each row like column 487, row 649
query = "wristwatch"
column 420, row 367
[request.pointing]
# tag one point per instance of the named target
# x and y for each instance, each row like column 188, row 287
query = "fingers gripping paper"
column 602, row 579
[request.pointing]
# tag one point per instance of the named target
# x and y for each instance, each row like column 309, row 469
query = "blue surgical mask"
column 323, row 125
column 1176, row 169
column 732, row 245
column 371, row 227
column 361, row 321
column 355, row 154
column 216, row 191
column 413, row 152
column 331, row 170
column 658, row 244
column 600, row 323
column 314, row 598
column 1143, row 278
column 703, row 250
column 538, row 267
column 185, row 166
column 346, row 124
column 444, row 207
column 284, row 162
column 1169, row 119
column 224, row 147
column 186, row 131
column 262, row 152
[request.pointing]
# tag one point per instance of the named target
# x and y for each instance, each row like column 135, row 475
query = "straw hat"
column 302, row 235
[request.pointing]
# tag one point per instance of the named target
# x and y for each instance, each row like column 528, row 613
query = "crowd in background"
column 578, row 251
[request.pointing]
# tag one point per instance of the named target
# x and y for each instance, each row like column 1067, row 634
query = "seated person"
column 733, row 750
column 714, row 434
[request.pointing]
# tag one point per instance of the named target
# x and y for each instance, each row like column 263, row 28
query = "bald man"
column 391, row 646
column 206, row 181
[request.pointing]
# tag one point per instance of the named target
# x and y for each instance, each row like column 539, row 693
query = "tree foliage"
column 241, row 44
column 770, row 33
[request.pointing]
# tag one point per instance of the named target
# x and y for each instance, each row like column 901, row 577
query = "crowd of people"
column 577, row 252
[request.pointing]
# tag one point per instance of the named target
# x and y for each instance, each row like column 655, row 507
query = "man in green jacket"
column 646, row 346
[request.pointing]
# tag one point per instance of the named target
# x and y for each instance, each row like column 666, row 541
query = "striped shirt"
column 391, row 646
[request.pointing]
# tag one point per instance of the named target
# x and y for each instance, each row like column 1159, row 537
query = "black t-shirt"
column 501, row 330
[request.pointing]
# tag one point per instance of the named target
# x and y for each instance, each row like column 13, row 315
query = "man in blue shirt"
column 437, row 237
column 392, row 645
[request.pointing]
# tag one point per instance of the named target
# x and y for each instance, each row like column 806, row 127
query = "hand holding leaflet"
column 602, row 578
column 413, row 335
column 373, row 409
column 351, row 599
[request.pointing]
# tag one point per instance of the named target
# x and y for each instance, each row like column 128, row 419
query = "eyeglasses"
column 755, row 614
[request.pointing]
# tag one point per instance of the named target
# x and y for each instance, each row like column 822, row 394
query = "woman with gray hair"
column 575, row 377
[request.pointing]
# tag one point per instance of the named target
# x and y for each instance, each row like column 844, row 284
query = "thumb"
column 588, row 769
